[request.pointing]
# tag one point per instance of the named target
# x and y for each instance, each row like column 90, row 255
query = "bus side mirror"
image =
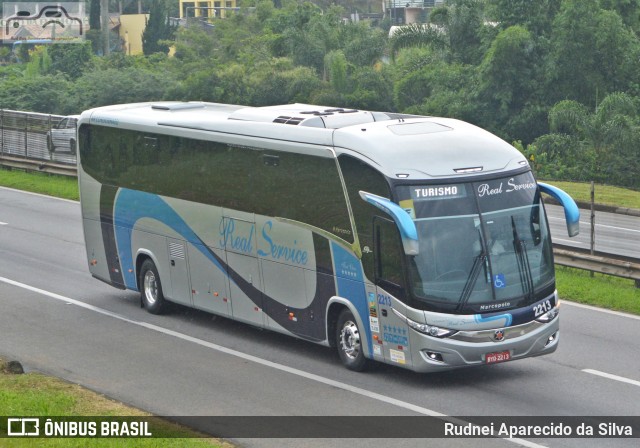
column 571, row 210
column 407, row 227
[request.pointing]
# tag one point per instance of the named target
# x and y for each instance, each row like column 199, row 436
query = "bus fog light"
column 434, row 356
column 551, row 338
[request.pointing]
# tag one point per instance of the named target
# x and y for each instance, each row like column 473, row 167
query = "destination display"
column 437, row 192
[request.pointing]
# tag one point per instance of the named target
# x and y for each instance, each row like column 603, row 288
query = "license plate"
column 492, row 358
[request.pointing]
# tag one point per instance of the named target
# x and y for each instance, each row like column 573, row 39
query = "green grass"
column 600, row 290
column 34, row 394
column 604, row 194
column 52, row 185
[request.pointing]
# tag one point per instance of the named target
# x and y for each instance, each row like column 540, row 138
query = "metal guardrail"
column 597, row 263
column 42, row 166
column 413, row 3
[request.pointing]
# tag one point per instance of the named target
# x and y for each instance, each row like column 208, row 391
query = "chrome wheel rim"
column 150, row 287
column 350, row 340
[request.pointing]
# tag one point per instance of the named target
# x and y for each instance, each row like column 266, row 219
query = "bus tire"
column 151, row 288
column 349, row 342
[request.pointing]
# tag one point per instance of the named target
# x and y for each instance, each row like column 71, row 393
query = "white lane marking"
column 3, row 223
column 601, row 310
column 264, row 362
column 612, row 377
column 586, row 223
column 618, row 228
column 567, row 241
column 46, row 196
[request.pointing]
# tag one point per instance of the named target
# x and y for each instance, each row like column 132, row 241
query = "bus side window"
column 389, row 257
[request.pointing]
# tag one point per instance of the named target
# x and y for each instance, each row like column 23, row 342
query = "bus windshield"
column 484, row 246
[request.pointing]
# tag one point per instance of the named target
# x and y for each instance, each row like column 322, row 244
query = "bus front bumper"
column 467, row 349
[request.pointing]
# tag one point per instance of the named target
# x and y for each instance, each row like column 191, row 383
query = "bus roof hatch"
column 307, row 115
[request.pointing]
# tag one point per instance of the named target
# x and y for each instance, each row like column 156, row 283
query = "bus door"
column 238, row 235
column 391, row 292
column 179, row 269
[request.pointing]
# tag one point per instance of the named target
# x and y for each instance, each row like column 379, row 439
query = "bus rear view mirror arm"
column 407, row 227
column 571, row 210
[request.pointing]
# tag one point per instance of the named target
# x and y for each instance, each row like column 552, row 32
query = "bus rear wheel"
column 151, row 288
column 349, row 342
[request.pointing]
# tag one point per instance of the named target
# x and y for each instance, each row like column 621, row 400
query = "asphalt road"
column 55, row 318
column 615, row 233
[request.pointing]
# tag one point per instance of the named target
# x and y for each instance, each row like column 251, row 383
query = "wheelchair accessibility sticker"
column 499, row 281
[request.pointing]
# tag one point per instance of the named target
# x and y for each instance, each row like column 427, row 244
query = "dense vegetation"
column 560, row 78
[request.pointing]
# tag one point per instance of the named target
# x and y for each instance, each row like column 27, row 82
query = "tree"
column 428, row 85
column 279, row 82
column 508, row 82
column 371, row 89
column 94, row 35
column 362, row 44
column 507, row 69
column 70, row 59
column 413, row 78
column 118, row 86
column 535, row 15
column 335, row 64
column 464, row 29
column 629, row 11
column 604, row 141
column 45, row 94
column 592, row 53
column 94, row 15
column 417, row 35
column 158, row 29
column 456, row 28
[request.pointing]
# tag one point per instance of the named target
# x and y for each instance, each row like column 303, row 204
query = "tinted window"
column 303, row 188
column 294, row 186
column 194, row 170
column 389, row 255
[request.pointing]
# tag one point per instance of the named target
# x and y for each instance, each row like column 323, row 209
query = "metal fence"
column 23, row 135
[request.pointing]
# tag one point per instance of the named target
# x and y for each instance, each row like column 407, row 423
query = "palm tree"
column 417, row 35
column 611, row 132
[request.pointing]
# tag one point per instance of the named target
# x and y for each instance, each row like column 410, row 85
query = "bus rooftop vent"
column 329, row 111
column 288, row 120
column 306, row 115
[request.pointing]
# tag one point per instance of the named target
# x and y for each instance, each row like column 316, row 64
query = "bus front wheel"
column 349, row 342
column 151, row 288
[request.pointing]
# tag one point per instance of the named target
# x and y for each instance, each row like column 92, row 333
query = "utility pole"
column 104, row 13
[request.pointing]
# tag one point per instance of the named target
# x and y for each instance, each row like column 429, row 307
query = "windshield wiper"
column 524, row 267
column 478, row 262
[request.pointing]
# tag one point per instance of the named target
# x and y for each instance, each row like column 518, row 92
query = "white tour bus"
column 415, row 241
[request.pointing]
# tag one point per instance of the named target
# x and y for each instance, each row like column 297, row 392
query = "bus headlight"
column 549, row 315
column 430, row 330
